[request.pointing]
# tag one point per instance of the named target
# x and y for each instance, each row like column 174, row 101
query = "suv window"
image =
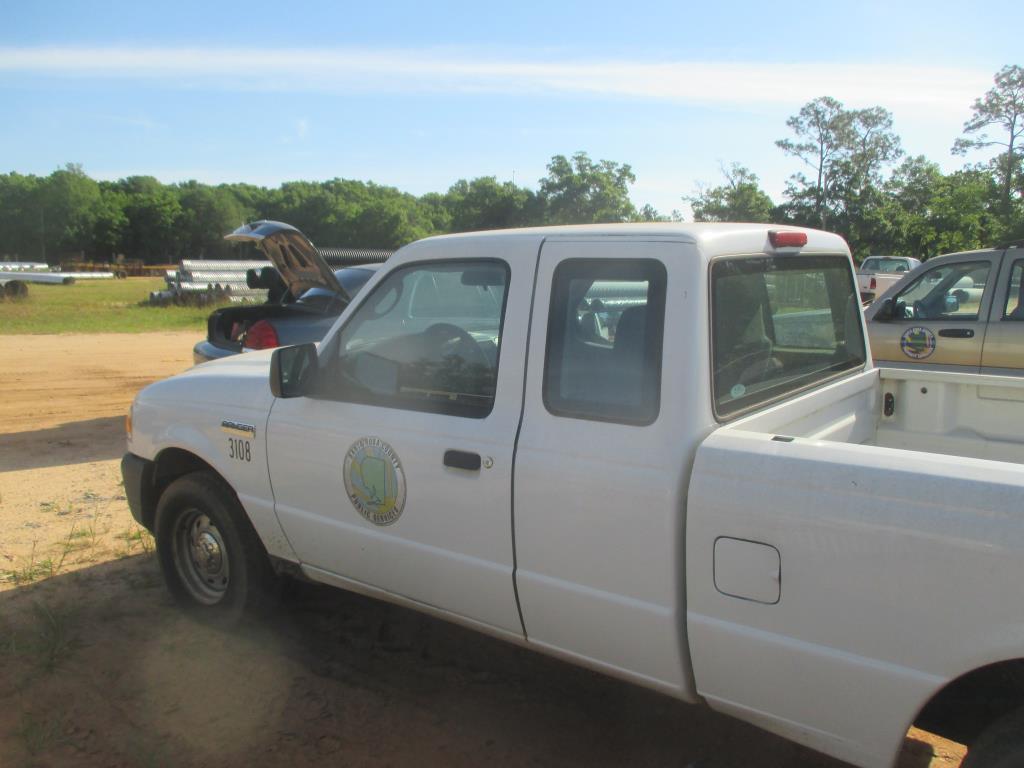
column 1014, row 309
column 949, row 292
column 426, row 339
column 603, row 359
column 779, row 325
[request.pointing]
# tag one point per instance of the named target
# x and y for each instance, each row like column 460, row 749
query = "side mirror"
column 885, row 311
column 293, row 370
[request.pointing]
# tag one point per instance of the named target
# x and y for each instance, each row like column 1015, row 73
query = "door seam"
column 515, row 444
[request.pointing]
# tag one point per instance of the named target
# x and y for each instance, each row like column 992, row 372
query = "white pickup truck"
column 660, row 451
column 879, row 273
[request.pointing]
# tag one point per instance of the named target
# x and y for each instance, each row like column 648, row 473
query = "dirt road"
column 98, row 669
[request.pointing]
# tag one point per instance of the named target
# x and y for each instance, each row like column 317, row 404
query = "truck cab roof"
column 713, row 238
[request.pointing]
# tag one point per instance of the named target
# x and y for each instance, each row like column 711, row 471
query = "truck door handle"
column 462, row 460
column 957, row 333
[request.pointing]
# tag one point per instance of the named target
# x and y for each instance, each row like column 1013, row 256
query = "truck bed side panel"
column 898, row 571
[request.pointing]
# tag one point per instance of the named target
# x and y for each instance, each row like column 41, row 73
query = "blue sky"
column 418, row 95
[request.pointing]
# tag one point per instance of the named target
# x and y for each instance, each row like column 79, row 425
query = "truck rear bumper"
column 138, row 488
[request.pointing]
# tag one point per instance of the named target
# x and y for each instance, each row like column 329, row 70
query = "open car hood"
column 298, row 261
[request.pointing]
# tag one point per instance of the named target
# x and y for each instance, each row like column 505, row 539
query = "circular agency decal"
column 374, row 480
column 917, row 342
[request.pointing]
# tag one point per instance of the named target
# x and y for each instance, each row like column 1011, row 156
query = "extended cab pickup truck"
column 660, row 451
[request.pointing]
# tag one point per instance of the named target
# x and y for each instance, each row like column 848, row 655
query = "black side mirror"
column 885, row 311
column 293, row 370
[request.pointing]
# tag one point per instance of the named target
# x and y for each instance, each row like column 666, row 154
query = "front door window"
column 427, row 339
column 949, row 292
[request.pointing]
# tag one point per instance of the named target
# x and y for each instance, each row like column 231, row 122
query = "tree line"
column 852, row 177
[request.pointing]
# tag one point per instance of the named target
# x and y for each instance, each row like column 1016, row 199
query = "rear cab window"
column 886, row 264
column 780, row 324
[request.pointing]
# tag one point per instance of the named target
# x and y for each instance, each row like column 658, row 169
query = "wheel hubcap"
column 206, row 553
column 201, row 557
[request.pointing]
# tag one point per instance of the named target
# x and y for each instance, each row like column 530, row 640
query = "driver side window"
column 949, row 292
column 426, row 339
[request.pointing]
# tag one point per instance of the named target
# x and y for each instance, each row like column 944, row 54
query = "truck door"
column 1003, row 352
column 602, row 455
column 940, row 316
column 397, row 473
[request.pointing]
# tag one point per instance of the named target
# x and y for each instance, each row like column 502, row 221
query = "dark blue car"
column 304, row 300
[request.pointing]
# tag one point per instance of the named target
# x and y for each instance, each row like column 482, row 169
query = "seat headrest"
column 630, row 332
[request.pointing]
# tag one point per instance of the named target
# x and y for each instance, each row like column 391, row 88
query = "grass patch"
column 40, row 733
column 36, row 569
column 53, row 638
column 80, row 538
column 49, row 640
column 137, row 538
column 95, row 306
column 32, row 570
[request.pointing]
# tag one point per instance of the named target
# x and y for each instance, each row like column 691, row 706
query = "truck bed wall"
column 955, row 414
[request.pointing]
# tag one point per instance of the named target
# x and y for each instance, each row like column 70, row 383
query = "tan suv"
column 960, row 312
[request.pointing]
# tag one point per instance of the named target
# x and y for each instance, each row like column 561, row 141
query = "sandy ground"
column 97, row 668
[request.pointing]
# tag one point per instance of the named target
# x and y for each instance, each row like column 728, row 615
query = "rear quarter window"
column 780, row 324
column 605, row 330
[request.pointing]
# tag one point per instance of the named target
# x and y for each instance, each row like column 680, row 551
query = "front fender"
column 239, row 459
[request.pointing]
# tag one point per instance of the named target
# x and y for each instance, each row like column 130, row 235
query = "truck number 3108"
column 239, row 449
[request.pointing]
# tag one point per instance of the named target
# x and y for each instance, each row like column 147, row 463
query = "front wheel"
column 1001, row 745
column 212, row 560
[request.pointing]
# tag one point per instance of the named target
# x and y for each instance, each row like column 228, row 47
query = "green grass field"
column 97, row 306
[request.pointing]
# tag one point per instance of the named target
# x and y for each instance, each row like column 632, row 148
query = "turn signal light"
column 261, row 336
column 781, row 239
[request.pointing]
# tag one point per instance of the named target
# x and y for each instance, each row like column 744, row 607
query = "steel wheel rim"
column 201, row 557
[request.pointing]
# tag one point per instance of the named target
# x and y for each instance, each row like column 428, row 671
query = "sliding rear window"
column 780, row 324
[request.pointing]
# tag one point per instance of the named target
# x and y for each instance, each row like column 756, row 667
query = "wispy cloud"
column 895, row 85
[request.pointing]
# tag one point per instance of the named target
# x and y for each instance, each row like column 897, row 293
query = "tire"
column 1001, row 745
column 213, row 563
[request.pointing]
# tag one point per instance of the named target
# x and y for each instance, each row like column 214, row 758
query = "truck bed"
column 965, row 415
column 891, row 536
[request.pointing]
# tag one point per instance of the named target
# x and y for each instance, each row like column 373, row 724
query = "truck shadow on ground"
column 99, row 668
column 75, row 442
